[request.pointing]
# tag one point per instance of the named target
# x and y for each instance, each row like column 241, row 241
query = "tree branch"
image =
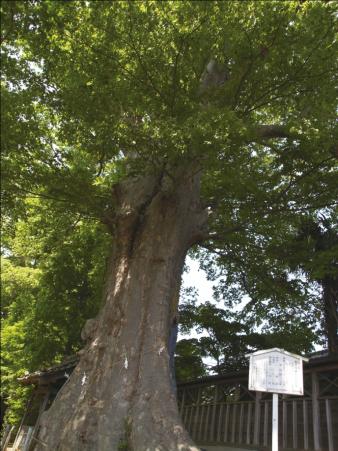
column 272, row 131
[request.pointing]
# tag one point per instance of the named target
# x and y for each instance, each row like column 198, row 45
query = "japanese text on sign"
column 276, row 372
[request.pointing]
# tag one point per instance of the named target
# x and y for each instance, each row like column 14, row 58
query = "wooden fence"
column 221, row 410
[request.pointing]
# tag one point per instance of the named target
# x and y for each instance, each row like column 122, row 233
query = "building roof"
column 63, row 370
column 52, row 374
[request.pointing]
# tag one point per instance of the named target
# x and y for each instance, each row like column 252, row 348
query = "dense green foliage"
column 52, row 278
column 94, row 92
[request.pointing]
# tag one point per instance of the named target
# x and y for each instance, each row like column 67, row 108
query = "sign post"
column 275, row 422
column 276, row 371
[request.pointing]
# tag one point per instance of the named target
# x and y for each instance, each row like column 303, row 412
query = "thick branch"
column 272, row 131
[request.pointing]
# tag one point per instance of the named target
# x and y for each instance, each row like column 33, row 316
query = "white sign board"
column 276, row 371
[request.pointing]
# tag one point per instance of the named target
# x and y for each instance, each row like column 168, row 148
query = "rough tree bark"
column 119, row 397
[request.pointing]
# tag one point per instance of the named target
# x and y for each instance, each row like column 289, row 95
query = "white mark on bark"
column 120, row 276
column 84, row 389
column 126, row 363
column 160, row 350
column 95, row 342
column 84, row 378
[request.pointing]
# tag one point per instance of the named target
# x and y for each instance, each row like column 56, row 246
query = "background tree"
column 189, row 363
column 226, row 336
column 315, row 250
column 300, row 291
column 51, row 283
column 173, row 124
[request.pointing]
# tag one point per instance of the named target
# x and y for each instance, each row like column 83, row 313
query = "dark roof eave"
column 50, row 375
column 58, row 372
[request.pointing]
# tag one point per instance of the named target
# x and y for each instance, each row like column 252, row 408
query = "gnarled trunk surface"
column 120, row 397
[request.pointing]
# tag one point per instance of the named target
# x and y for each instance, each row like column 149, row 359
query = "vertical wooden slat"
column 266, row 423
column 41, row 410
column 248, row 424
column 5, row 434
column 200, row 428
column 28, row 404
column 213, row 417
column 315, row 411
column 206, row 421
column 182, row 403
column 241, row 420
column 220, row 419
column 285, row 423
column 185, row 415
column 233, row 423
column 27, row 443
column 329, row 424
column 196, row 416
column 19, row 438
column 294, row 424
column 226, row 425
column 191, row 419
column 257, row 417
column 186, row 421
column 305, row 424
column 6, row 439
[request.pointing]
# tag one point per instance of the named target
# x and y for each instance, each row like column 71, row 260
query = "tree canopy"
column 89, row 95
column 95, row 94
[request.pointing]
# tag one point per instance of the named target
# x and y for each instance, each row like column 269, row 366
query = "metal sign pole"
column 275, row 422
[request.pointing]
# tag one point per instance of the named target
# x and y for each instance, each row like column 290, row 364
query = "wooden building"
column 47, row 384
column 220, row 410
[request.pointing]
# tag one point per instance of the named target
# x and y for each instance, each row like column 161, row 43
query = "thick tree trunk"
column 120, row 397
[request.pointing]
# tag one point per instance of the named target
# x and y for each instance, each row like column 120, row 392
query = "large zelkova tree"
column 174, row 124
